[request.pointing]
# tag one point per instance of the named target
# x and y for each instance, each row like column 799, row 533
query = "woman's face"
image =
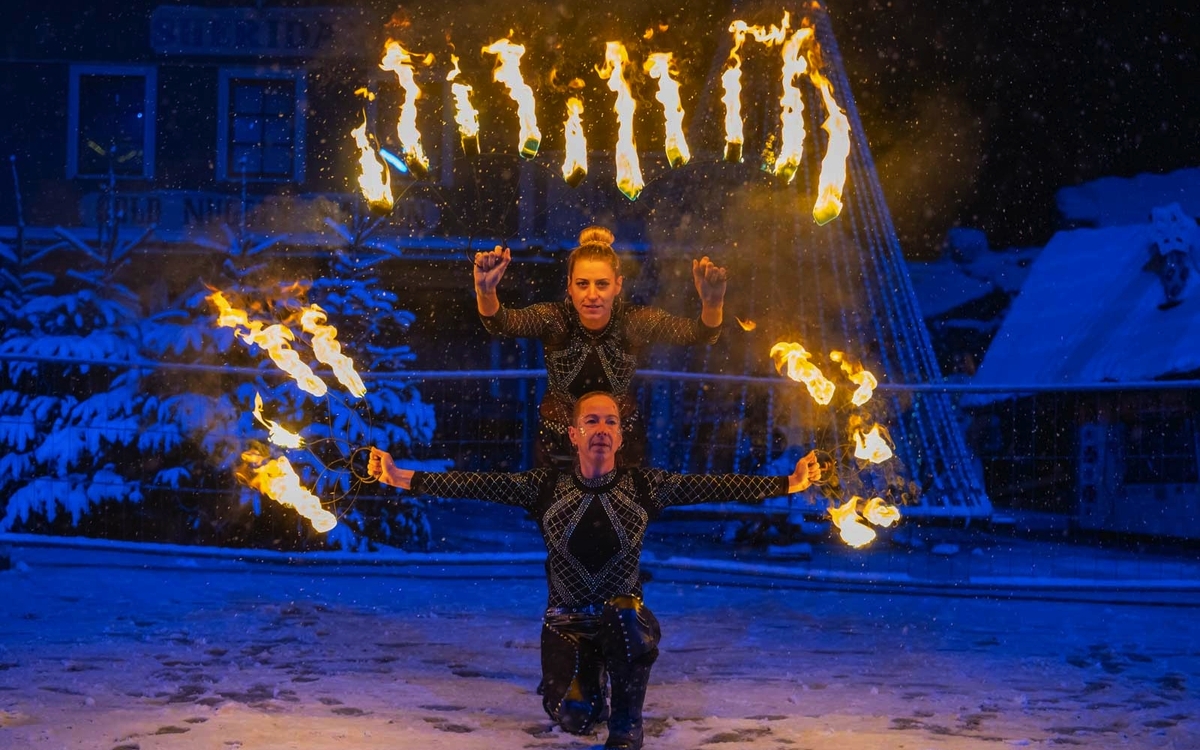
column 593, row 286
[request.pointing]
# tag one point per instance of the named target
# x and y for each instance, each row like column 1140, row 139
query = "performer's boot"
column 629, row 635
column 628, row 694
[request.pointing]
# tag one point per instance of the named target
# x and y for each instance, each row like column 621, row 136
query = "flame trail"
column 465, row 114
column 629, row 171
column 791, row 116
column 329, row 351
column 865, row 381
column 278, row 480
column 659, row 67
column 272, row 339
column 846, row 518
column 508, row 72
column 880, row 513
column 399, row 61
column 873, row 446
column 574, row 167
column 833, row 166
column 278, row 434
column 731, row 79
column 803, row 371
column 374, row 179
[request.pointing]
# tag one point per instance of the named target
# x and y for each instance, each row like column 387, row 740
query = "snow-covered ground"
column 109, row 649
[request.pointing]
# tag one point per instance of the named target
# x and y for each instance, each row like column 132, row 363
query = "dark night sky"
column 978, row 111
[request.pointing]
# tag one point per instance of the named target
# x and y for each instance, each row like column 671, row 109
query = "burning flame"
column 880, row 513
column 850, row 528
column 833, row 166
column 399, row 61
column 329, row 351
column 803, row 371
column 659, row 67
column 731, row 79
column 278, row 434
column 508, row 72
column 464, row 112
column 278, row 480
column 791, row 116
column 374, row 179
column 747, row 325
column 273, row 339
column 873, row 446
column 865, row 381
column 629, row 172
column 574, row 167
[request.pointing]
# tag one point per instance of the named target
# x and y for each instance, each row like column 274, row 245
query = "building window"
column 111, row 121
column 261, row 125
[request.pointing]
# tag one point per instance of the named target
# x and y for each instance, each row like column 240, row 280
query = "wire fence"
column 1067, row 471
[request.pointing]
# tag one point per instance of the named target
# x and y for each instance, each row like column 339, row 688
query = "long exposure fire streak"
column 276, row 477
column 800, row 58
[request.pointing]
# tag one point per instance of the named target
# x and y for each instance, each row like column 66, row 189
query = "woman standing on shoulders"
column 592, row 338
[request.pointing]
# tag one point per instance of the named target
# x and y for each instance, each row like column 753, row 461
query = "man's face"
column 593, row 286
column 597, row 431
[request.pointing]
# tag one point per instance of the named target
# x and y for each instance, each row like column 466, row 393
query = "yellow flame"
column 833, row 166
column 629, row 171
column 278, row 480
column 791, row 116
column 399, row 61
column 273, row 340
column 575, row 166
column 373, row 179
column 865, row 381
column 465, row 113
column 801, row 370
column 508, row 72
column 747, row 325
column 850, row 528
column 329, row 351
column 659, row 67
column 880, row 513
column 873, row 446
column 731, row 78
column 278, row 434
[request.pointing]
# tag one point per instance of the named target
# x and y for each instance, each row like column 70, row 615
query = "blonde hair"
column 595, row 243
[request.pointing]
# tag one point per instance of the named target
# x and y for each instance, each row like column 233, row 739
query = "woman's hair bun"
column 596, row 234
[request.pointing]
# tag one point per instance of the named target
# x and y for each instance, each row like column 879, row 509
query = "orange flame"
column 465, row 114
column 873, row 446
column 574, row 166
column 272, row 339
column 278, row 434
column 833, row 166
column 659, row 67
column 329, row 351
column 278, row 480
column 791, row 116
column 629, row 171
column 508, row 72
column 731, row 79
column 880, row 513
column 399, row 61
column 747, row 325
column 374, row 179
column 850, row 528
column 803, row 371
column 865, row 381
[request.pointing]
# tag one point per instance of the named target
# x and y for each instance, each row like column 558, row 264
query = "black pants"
column 583, row 649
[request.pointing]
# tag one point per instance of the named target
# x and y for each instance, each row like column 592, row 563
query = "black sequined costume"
column 595, row 620
column 579, row 361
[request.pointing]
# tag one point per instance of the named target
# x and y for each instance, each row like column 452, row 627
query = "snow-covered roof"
column 1112, row 201
column 1088, row 313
